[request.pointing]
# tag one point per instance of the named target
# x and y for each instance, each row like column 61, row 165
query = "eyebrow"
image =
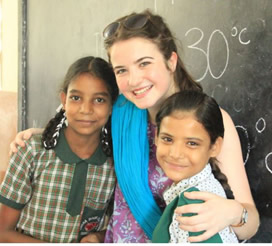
column 188, row 138
column 142, row 58
column 96, row 94
column 137, row 61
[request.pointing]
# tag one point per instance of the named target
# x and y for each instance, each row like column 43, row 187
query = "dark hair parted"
column 157, row 31
column 207, row 112
column 98, row 68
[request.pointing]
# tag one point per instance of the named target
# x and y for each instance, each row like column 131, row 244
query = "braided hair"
column 98, row 68
column 208, row 113
column 51, row 131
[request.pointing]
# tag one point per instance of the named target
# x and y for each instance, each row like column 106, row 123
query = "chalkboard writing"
column 226, row 45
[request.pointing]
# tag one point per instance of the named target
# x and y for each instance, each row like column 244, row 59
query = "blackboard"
column 225, row 44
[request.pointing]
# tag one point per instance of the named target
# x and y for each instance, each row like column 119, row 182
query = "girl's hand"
column 94, row 237
column 213, row 215
column 21, row 136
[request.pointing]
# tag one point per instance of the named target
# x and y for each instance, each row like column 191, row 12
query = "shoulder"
column 32, row 147
column 230, row 128
column 212, row 185
column 35, row 142
column 231, row 142
column 228, row 122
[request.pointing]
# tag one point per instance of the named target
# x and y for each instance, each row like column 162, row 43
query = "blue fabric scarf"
column 131, row 159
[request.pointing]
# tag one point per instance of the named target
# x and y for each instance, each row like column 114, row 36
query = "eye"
column 144, row 64
column 166, row 139
column 75, row 98
column 99, row 100
column 120, row 71
column 193, row 144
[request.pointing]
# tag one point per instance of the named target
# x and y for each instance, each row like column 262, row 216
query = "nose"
column 86, row 108
column 176, row 151
column 134, row 78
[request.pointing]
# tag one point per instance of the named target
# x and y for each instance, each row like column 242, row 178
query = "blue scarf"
column 131, row 160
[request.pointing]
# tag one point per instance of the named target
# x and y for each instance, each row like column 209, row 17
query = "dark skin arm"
column 8, row 220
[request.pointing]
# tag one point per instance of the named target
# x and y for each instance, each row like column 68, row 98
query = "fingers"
column 189, row 208
column 195, row 224
column 199, row 195
column 19, row 141
column 13, row 146
column 204, row 236
column 94, row 237
column 91, row 238
column 188, row 221
column 27, row 134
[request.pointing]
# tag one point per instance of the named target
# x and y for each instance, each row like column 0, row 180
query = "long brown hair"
column 158, row 32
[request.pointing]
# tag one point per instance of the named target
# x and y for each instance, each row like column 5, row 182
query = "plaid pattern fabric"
column 38, row 183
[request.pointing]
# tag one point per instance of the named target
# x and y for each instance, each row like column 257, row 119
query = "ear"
column 172, row 62
column 216, row 147
column 63, row 99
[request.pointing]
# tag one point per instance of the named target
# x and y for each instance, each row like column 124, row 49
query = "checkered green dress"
column 39, row 183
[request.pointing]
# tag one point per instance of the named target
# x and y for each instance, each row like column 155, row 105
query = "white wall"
column 10, row 45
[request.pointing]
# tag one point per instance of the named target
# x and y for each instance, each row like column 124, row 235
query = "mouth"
column 86, row 122
column 175, row 166
column 142, row 91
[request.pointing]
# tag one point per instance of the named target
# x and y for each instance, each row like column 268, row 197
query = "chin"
column 143, row 105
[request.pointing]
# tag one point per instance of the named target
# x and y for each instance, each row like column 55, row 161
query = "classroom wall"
column 8, row 126
column 225, row 44
column 10, row 45
column 9, row 80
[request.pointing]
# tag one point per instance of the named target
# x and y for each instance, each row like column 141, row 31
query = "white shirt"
column 204, row 181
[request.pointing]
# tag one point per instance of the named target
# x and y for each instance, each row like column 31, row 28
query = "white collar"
column 177, row 189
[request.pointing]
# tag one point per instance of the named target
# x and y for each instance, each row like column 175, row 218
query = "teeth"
column 142, row 90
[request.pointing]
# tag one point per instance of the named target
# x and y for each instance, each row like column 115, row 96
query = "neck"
column 152, row 111
column 152, row 114
column 82, row 146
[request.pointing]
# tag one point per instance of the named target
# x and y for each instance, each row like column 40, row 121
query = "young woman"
column 148, row 69
column 59, row 186
column 189, row 136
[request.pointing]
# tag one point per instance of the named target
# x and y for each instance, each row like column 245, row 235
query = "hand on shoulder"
column 21, row 137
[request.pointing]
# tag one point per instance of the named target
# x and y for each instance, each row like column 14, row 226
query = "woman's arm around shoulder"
column 217, row 212
column 232, row 165
column 21, row 136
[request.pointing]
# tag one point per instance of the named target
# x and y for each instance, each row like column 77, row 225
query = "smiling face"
column 141, row 72
column 184, row 146
column 87, row 105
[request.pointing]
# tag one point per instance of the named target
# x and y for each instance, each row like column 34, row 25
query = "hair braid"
column 221, row 177
column 51, row 132
column 106, row 139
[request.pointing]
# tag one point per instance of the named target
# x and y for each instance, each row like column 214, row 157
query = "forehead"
column 133, row 48
column 178, row 117
column 87, row 83
column 181, row 122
